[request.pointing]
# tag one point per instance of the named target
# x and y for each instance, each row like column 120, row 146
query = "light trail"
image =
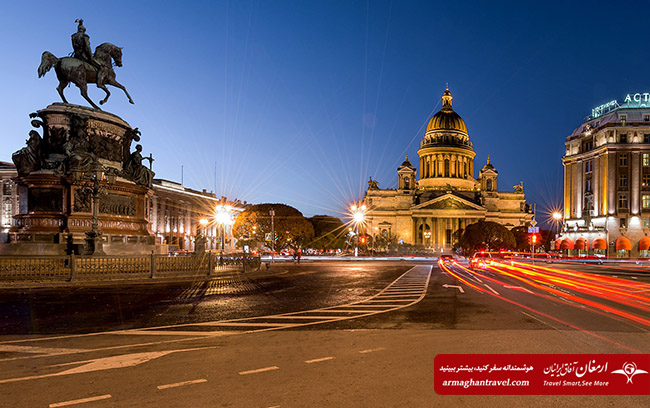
column 563, row 322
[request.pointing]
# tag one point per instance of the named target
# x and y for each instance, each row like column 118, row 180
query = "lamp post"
column 224, row 217
column 272, row 214
column 358, row 215
column 95, row 183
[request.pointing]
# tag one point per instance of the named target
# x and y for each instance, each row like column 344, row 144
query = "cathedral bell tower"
column 406, row 174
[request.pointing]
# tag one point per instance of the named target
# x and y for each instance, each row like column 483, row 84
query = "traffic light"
column 362, row 239
column 534, row 239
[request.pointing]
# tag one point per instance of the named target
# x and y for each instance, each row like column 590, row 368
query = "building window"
column 589, row 166
column 623, row 118
column 488, row 185
column 646, row 138
column 646, row 223
column 646, row 159
column 6, row 188
column 588, row 186
column 646, row 180
column 622, row 222
column 622, row 202
column 623, row 138
column 8, row 216
column 645, row 200
column 646, row 118
column 622, row 160
column 446, row 168
column 622, row 180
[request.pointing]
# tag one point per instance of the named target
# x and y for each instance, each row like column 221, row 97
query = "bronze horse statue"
column 81, row 73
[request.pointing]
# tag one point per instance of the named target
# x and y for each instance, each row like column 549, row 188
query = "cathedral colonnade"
column 437, row 232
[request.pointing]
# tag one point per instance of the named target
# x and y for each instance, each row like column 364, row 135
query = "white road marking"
column 80, row 401
column 372, row 350
column 107, row 363
column 454, row 286
column 488, row 286
column 37, row 350
column 540, row 320
column 517, row 287
column 181, row 384
column 259, row 370
column 318, row 360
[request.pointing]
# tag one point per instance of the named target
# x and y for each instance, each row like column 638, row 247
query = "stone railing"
column 97, row 268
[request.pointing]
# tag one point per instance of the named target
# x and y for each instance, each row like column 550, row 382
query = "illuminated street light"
column 223, row 216
column 358, row 213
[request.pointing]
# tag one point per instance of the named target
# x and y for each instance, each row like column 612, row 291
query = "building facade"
column 607, row 181
column 431, row 209
column 9, row 198
column 176, row 213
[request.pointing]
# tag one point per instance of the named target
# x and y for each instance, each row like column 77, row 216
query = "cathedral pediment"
column 449, row 202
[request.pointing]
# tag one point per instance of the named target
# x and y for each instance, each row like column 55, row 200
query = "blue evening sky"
column 299, row 102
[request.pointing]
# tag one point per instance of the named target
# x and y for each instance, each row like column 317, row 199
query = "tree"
column 329, row 232
column 488, row 236
column 521, row 238
column 292, row 230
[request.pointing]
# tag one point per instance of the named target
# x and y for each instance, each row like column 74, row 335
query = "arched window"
column 488, row 185
column 447, row 168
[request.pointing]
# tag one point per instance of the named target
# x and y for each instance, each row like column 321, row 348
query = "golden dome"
column 447, row 119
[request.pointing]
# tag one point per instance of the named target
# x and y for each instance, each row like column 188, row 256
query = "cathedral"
column 446, row 197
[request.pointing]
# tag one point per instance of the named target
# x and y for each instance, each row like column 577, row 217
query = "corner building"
column 607, row 181
column 446, row 197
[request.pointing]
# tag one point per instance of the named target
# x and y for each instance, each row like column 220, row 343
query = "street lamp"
column 223, row 217
column 358, row 216
column 557, row 217
column 94, row 182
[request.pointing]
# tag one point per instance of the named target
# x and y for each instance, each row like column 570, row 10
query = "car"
column 480, row 260
column 442, row 259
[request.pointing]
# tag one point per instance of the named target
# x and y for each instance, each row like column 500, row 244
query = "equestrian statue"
column 83, row 68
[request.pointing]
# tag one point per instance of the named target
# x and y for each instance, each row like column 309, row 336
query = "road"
column 322, row 334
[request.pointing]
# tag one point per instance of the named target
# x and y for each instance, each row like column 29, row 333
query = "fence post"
column 152, row 265
column 73, row 267
column 210, row 263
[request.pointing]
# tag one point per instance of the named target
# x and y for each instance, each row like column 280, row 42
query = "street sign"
column 267, row 236
column 533, row 230
column 533, row 223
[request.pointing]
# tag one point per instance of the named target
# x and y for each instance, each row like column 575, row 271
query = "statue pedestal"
column 55, row 204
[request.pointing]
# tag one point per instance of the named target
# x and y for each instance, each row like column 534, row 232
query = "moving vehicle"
column 480, row 260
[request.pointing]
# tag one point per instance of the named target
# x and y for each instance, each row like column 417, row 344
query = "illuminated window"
column 622, row 159
column 645, row 200
column 622, row 222
column 622, row 202
column 646, row 223
column 646, row 159
column 623, row 139
column 622, row 180
column 646, row 180
column 588, row 186
column 646, row 118
column 623, row 118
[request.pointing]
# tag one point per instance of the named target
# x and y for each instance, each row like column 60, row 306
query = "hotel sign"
column 632, row 100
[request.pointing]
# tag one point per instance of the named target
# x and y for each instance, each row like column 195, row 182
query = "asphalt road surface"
column 323, row 334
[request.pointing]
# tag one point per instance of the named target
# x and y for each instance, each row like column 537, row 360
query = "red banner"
column 542, row 374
